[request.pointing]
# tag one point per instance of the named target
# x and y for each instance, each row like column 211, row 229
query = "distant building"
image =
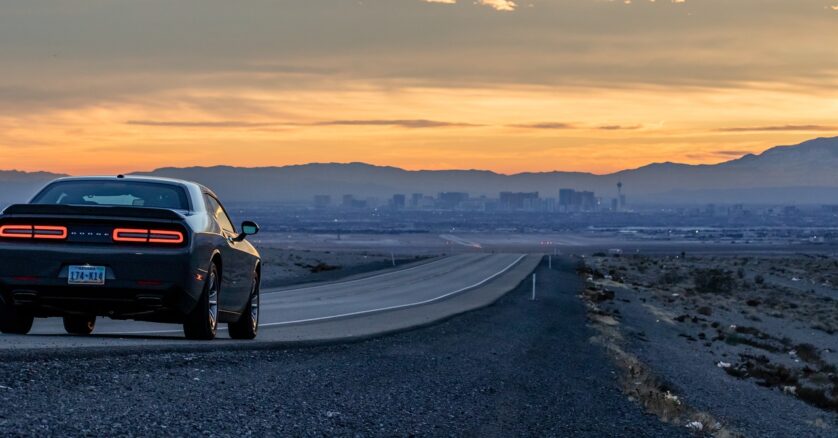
column 322, row 201
column 415, row 200
column 566, row 197
column 572, row 201
column 710, row 210
column 349, row 201
column 517, row 200
column 398, row 202
column 451, row 200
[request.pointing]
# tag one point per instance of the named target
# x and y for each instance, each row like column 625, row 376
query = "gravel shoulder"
column 518, row 367
column 750, row 340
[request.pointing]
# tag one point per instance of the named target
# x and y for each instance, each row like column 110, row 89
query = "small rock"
column 695, row 426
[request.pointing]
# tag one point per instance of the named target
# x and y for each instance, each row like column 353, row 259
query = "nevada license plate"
column 86, row 275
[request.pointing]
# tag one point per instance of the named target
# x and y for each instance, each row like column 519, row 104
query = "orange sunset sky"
column 93, row 86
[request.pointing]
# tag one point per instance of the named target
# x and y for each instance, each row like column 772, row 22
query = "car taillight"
column 163, row 236
column 137, row 235
column 49, row 232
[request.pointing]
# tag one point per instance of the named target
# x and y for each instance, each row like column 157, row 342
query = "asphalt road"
column 364, row 306
column 515, row 368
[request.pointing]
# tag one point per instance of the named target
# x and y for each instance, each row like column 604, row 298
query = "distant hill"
column 18, row 186
column 804, row 174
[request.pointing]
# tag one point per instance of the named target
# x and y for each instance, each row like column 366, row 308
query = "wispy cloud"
column 564, row 125
column 714, row 155
column 732, row 153
column 418, row 123
column 200, row 124
column 780, row 128
column 546, row 125
column 498, row 5
column 618, row 127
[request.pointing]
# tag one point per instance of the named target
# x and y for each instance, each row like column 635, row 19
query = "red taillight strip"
column 50, row 232
column 163, row 236
column 130, row 235
column 147, row 236
column 33, row 231
column 16, row 231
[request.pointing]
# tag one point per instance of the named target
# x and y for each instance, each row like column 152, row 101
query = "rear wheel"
column 79, row 325
column 14, row 320
column 248, row 325
column 202, row 322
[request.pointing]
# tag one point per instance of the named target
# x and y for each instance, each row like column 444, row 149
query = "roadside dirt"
column 770, row 320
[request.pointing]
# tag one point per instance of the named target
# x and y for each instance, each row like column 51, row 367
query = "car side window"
column 215, row 208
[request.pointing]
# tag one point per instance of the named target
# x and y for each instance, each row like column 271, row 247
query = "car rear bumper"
column 141, row 283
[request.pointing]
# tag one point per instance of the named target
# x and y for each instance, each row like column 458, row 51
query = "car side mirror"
column 249, row 228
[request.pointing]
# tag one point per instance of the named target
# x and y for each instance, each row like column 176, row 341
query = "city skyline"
column 509, row 86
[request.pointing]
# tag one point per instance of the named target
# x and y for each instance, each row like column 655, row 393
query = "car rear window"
column 114, row 193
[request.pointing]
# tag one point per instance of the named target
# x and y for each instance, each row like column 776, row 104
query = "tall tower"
column 620, row 199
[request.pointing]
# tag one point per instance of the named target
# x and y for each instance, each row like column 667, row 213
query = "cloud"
column 546, row 125
column 198, row 124
column 618, row 127
column 418, row 123
column 498, row 5
column 732, row 153
column 563, row 125
column 780, row 128
column 713, row 155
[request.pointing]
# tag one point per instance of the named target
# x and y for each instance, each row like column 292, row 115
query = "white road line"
column 362, row 312
column 401, row 306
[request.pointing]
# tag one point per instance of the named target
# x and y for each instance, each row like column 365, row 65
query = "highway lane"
column 517, row 368
column 312, row 304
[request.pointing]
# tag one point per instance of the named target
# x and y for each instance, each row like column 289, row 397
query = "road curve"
column 379, row 303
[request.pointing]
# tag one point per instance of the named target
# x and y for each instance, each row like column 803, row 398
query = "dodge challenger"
column 128, row 247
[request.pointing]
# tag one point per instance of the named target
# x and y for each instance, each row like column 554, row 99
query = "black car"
column 147, row 249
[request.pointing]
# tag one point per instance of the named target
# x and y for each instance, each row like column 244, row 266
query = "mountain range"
column 798, row 174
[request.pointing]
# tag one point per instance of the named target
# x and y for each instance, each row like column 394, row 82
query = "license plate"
column 86, row 275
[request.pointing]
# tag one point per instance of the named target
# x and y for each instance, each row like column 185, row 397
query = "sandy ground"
column 734, row 334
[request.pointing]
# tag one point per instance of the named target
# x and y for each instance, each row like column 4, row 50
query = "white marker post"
column 393, row 258
column 550, row 262
column 533, row 287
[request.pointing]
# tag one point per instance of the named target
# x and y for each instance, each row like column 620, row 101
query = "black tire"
column 248, row 325
column 13, row 320
column 79, row 325
column 202, row 323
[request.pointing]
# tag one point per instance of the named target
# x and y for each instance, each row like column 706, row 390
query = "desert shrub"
column 713, row 281
column 671, row 277
column 759, row 279
column 321, row 267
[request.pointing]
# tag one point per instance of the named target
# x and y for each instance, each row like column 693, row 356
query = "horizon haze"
column 795, row 174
